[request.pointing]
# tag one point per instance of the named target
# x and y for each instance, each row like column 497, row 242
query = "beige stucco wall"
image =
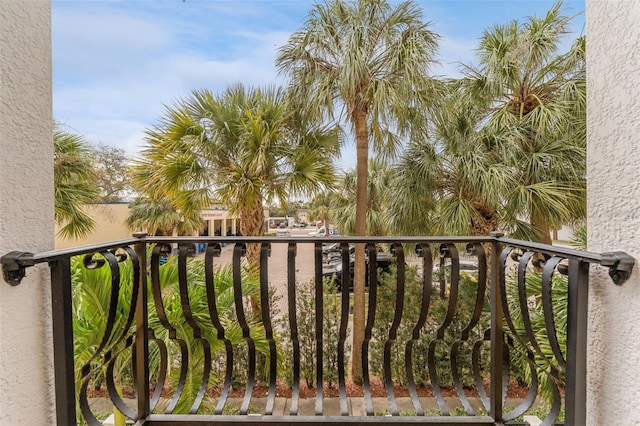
column 26, row 210
column 110, row 226
column 613, row 78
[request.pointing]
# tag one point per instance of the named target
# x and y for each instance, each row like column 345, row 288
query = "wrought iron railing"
column 172, row 332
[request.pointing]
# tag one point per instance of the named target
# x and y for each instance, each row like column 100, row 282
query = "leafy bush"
column 306, row 311
column 91, row 298
column 438, row 307
column 544, row 359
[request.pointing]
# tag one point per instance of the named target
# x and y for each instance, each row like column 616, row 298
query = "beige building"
column 111, row 224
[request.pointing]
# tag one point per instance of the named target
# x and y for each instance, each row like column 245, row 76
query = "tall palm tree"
column 245, row 147
column 537, row 97
column 365, row 61
column 74, row 180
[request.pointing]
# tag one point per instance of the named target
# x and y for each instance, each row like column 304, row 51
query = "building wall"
column 613, row 185
column 110, row 225
column 26, row 210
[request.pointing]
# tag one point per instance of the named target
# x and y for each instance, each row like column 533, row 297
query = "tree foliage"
column 507, row 147
column 245, row 148
column 343, row 201
column 74, row 179
column 112, row 169
column 535, row 98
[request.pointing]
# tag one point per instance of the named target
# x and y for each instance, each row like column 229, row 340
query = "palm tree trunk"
column 252, row 225
column 540, row 222
column 362, row 159
column 486, row 222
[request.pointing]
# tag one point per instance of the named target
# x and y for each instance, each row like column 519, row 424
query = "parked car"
column 320, row 232
column 333, row 270
column 282, row 225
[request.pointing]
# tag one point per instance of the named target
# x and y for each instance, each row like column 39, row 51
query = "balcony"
column 196, row 340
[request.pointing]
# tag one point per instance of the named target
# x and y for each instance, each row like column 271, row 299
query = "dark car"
column 333, row 270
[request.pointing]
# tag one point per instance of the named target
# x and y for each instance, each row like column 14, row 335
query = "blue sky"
column 117, row 63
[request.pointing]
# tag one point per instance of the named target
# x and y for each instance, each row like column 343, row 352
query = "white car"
column 320, row 232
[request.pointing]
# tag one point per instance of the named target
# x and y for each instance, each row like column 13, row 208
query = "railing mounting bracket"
column 13, row 266
column 620, row 266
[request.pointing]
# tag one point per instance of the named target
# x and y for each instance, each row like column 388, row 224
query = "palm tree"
column 245, row 148
column 74, row 180
column 537, row 98
column 320, row 208
column 450, row 184
column 156, row 216
column 365, row 61
column 378, row 195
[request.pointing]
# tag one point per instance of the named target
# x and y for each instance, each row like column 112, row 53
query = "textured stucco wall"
column 613, row 179
column 26, row 209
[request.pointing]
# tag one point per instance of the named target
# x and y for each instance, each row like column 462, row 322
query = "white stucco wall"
column 26, row 209
column 613, row 180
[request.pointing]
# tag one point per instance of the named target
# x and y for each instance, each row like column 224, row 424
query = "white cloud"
column 114, row 70
column 117, row 62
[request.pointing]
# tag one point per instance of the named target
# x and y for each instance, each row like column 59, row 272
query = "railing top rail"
column 336, row 239
column 620, row 264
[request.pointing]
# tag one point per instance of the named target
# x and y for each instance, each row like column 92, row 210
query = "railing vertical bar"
column 319, row 327
column 293, row 326
column 344, row 319
column 265, row 252
column 497, row 336
column 423, row 251
column 478, row 251
column 142, row 337
column 214, row 250
column 63, row 341
column 371, row 317
column 197, row 332
column 240, row 250
column 398, row 252
column 446, row 250
column 576, row 373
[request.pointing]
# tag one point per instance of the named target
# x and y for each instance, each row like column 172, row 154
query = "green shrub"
column 544, row 359
column 385, row 313
column 91, row 297
column 306, row 317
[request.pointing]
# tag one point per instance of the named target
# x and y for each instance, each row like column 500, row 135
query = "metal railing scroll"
column 480, row 328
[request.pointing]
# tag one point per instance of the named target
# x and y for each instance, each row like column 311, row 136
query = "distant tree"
column 343, row 202
column 112, row 169
column 74, row 183
column 320, row 208
column 155, row 215
column 287, row 208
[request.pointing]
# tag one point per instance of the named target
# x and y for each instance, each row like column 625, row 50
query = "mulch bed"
column 377, row 390
column 376, row 384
